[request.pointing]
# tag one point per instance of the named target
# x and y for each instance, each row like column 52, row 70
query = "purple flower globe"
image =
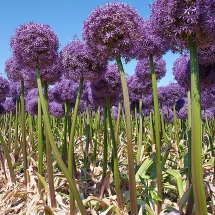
column 10, row 104
column 143, row 71
column 65, row 90
column 32, row 106
column 4, row 88
column 181, row 71
column 181, row 108
column 179, row 20
column 168, row 114
column 2, row 109
column 151, row 43
column 35, row 44
column 209, row 113
column 14, row 69
column 109, row 84
column 169, row 94
column 56, row 110
column 78, row 62
column 113, row 30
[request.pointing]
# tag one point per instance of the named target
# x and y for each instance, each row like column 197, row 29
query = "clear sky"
column 66, row 18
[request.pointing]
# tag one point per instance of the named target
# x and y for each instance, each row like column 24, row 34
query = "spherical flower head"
column 56, row 110
column 167, row 95
column 13, row 69
column 109, row 84
column 113, row 30
column 4, row 88
column 15, row 89
column 78, row 62
column 10, row 104
column 151, row 43
column 2, row 109
column 207, row 55
column 33, row 93
column 181, row 71
column 180, row 20
column 32, row 106
column 181, row 108
column 138, row 86
column 35, row 44
column 168, row 114
column 143, row 70
column 180, row 103
column 207, row 113
column 65, row 90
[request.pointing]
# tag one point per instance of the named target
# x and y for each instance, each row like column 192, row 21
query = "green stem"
column 40, row 143
column 16, row 131
column 12, row 175
column 71, row 163
column 157, row 133
column 65, row 171
column 115, row 158
column 196, row 141
column 24, row 145
column 105, row 150
column 131, row 170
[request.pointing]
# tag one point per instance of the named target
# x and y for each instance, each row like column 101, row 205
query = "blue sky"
column 66, row 18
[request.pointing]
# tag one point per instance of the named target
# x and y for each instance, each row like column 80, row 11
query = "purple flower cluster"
column 181, row 71
column 65, row 90
column 179, row 20
column 113, row 30
column 143, row 70
column 56, row 110
column 181, row 108
column 4, row 89
column 151, row 43
column 168, row 114
column 10, row 104
column 79, row 62
column 32, row 101
column 167, row 95
column 35, row 44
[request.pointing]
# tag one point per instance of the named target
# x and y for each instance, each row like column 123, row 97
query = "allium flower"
column 78, row 61
column 10, row 104
column 207, row 55
column 137, row 86
column 65, row 90
column 32, row 106
column 15, row 89
column 113, row 30
column 209, row 113
column 181, row 71
column 13, row 69
column 143, row 71
column 2, row 109
column 167, row 95
column 151, row 43
column 179, row 20
column 4, row 88
column 168, row 114
column 181, row 108
column 109, row 84
column 35, row 44
column 56, row 110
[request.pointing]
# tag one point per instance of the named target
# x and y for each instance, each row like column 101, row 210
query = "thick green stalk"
column 40, row 143
column 4, row 144
column 65, row 171
column 49, row 155
column 196, row 141
column 140, row 135
column 9, row 132
column 105, row 150
column 115, row 158
column 16, row 131
column 131, row 170
column 24, row 145
column 71, row 160
column 157, row 134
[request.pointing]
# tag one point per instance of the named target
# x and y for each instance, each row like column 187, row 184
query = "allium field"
column 81, row 136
